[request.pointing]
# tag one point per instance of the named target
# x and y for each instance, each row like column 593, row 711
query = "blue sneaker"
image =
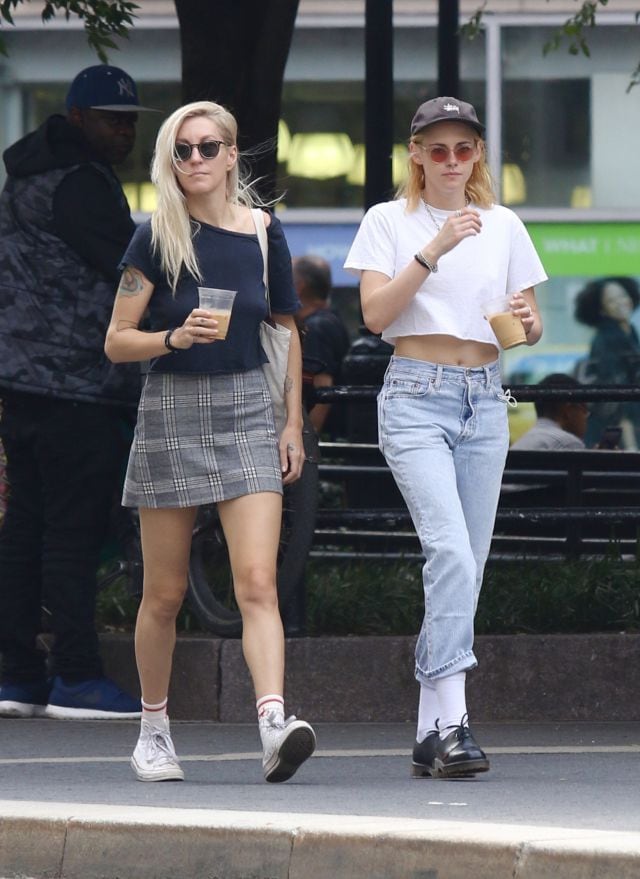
column 91, row 700
column 24, row 700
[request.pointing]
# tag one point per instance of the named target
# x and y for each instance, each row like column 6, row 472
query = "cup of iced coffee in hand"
column 219, row 303
column 507, row 327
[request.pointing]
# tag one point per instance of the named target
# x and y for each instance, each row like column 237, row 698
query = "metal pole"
column 493, row 118
column 448, row 48
column 378, row 100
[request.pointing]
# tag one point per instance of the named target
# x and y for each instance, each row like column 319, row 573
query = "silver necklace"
column 433, row 219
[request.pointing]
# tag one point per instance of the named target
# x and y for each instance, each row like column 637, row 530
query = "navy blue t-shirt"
column 230, row 261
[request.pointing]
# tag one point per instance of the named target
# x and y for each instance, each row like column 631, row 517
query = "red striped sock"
column 272, row 703
column 155, row 714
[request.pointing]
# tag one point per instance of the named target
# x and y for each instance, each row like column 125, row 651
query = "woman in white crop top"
column 427, row 262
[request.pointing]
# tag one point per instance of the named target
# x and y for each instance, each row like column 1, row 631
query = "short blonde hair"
column 171, row 227
column 479, row 188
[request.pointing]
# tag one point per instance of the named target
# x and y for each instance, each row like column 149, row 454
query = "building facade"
column 562, row 128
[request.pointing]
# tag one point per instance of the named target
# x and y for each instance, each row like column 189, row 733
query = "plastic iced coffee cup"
column 219, row 303
column 507, row 328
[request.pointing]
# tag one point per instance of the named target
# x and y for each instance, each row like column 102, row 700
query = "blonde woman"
column 205, row 431
column 427, row 261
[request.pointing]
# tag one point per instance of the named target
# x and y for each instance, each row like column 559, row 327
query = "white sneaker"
column 154, row 758
column 286, row 745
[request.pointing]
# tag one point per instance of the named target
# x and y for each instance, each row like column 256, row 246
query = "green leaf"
column 473, row 27
column 103, row 19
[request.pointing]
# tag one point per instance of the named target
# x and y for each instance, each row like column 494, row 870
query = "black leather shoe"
column 458, row 754
column 424, row 753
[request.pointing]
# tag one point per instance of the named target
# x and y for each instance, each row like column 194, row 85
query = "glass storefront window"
column 322, row 164
column 545, row 148
column 562, row 115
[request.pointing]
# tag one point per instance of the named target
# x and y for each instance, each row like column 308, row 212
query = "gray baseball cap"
column 445, row 110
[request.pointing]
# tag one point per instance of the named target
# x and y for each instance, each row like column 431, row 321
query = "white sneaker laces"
column 159, row 748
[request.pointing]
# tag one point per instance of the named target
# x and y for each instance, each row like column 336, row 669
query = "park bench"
column 553, row 505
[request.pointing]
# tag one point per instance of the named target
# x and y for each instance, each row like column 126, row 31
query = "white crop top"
column 499, row 261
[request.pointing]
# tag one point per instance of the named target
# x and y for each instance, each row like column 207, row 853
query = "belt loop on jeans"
column 487, row 376
column 438, row 379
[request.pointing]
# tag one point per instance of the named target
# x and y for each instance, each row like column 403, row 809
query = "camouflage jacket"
column 54, row 307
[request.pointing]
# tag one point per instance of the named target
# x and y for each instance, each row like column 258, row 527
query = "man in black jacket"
column 64, row 226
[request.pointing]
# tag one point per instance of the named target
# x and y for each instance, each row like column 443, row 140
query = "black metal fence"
column 554, row 504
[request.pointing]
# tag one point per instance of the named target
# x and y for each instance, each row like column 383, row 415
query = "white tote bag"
column 274, row 338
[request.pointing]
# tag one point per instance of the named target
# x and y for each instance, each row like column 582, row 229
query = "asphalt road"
column 583, row 776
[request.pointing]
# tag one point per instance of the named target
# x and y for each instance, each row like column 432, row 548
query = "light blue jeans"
column 443, row 432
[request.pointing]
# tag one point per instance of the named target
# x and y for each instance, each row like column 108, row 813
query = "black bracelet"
column 167, row 342
column 424, row 262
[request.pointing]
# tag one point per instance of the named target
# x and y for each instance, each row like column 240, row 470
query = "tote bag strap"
column 261, row 232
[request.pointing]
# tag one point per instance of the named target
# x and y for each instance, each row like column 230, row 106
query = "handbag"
column 274, row 338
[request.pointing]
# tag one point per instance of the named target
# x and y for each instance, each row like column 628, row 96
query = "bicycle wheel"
column 210, row 586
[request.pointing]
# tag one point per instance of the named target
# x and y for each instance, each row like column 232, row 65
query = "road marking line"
column 341, row 753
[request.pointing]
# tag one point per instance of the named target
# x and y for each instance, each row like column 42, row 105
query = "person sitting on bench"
column 561, row 424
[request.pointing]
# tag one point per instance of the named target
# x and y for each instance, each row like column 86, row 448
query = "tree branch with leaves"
column 103, row 20
column 571, row 31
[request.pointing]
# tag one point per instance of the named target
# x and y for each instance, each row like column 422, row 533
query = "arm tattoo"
column 288, row 384
column 131, row 283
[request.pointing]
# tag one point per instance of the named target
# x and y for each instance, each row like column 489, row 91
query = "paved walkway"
column 561, row 800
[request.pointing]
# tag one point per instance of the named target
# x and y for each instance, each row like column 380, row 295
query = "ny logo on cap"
column 125, row 87
column 451, row 107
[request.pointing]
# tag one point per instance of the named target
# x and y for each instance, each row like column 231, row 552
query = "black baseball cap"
column 103, row 87
column 445, row 110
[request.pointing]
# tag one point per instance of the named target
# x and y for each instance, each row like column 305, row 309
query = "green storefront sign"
column 588, row 249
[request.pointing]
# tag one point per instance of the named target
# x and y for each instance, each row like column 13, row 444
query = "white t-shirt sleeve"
column 525, row 267
column 374, row 247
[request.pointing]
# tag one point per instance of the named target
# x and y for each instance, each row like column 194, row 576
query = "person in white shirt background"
column 427, row 261
column 561, row 424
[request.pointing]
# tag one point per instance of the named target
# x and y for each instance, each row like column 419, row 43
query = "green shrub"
column 588, row 596
column 385, row 598
column 543, row 597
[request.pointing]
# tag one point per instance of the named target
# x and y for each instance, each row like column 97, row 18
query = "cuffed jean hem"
column 464, row 662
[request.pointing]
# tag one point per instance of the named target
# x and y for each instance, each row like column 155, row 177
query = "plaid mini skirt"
column 201, row 439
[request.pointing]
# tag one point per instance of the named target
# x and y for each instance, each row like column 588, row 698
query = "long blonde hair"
column 479, row 188
column 172, row 229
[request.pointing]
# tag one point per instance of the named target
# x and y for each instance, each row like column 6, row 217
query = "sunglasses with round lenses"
column 464, row 152
column 208, row 149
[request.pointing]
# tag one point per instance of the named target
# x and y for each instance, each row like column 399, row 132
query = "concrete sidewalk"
column 561, row 801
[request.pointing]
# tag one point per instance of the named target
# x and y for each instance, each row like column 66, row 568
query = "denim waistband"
column 488, row 374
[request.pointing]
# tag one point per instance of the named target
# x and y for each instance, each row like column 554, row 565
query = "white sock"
column 428, row 710
column 452, row 699
column 272, row 704
column 156, row 715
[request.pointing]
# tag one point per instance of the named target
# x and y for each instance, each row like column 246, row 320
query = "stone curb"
column 126, row 842
column 533, row 678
